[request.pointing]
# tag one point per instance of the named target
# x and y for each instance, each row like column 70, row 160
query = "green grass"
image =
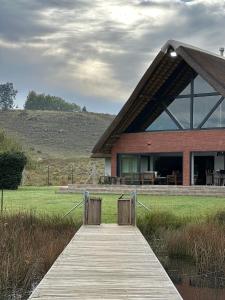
column 45, row 200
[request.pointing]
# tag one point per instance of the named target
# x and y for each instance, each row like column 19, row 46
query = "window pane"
column 217, row 119
column 180, row 108
column 163, row 122
column 202, row 106
column 201, row 86
column 129, row 164
column 187, row 90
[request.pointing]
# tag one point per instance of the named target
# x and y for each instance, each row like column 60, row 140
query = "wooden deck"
column 106, row 262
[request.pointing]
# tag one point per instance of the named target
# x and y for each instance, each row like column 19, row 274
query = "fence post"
column 86, row 200
column 48, row 180
column 2, row 201
column 94, row 174
column 133, row 208
column 72, row 174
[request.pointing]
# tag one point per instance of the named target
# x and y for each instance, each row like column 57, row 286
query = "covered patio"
column 208, row 168
column 147, row 168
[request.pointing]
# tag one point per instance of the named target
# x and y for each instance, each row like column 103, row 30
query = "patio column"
column 114, row 164
column 186, row 167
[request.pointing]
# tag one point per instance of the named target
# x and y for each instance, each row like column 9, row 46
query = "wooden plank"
column 106, row 262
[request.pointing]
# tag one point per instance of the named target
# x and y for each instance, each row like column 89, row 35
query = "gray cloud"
column 94, row 52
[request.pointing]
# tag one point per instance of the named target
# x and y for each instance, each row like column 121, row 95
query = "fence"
column 63, row 174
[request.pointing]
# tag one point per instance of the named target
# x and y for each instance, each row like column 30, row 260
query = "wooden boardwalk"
column 106, row 262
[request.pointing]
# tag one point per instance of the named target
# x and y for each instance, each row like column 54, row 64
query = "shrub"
column 219, row 217
column 154, row 221
column 11, row 168
column 8, row 144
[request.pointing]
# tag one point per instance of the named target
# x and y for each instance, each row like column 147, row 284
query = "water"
column 18, row 293
column 194, row 285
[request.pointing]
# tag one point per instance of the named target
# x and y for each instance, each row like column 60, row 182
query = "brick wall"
column 173, row 141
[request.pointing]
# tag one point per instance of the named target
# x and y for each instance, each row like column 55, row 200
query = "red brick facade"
column 167, row 142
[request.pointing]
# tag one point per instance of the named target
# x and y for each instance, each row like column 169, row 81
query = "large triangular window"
column 197, row 106
column 202, row 86
column 180, row 108
column 217, row 118
column 163, row 122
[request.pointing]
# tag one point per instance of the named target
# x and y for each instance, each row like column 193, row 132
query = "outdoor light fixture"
column 173, row 54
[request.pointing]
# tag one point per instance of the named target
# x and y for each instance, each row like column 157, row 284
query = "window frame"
column 191, row 97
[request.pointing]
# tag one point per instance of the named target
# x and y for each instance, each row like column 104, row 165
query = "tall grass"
column 28, row 247
column 8, row 143
column 202, row 241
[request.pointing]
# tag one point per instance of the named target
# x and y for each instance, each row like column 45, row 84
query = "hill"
column 59, row 144
column 51, row 134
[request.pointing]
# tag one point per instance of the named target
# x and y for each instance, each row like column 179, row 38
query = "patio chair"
column 209, row 177
column 171, row 179
column 135, row 178
column 148, row 177
column 175, row 178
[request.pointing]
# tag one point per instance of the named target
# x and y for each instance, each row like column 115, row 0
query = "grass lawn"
column 45, row 200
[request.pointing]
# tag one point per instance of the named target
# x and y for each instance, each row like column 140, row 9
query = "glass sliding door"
column 129, row 164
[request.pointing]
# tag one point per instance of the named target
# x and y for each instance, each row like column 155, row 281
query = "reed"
column 28, row 247
column 156, row 221
column 202, row 241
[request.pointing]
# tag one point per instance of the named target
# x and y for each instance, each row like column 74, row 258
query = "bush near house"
column 11, row 168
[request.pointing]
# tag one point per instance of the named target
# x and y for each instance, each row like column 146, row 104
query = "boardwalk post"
column 127, row 210
column 124, row 211
column 92, row 210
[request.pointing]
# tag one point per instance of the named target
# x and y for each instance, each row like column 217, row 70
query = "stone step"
column 152, row 187
column 170, row 190
column 150, row 191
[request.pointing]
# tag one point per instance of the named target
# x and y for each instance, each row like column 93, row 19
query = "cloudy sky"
column 94, row 52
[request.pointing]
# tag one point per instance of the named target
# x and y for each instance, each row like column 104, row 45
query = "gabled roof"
column 166, row 76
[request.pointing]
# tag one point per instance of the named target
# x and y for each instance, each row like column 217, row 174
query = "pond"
column 192, row 284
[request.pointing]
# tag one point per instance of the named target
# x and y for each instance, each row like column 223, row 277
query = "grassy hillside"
column 49, row 134
column 57, row 142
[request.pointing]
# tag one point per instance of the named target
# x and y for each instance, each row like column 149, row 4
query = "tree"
column 7, row 96
column 84, row 109
column 11, row 170
column 47, row 102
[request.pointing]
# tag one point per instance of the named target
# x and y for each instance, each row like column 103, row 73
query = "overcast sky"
column 94, row 52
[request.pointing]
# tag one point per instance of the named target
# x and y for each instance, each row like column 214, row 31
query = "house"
column 173, row 123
